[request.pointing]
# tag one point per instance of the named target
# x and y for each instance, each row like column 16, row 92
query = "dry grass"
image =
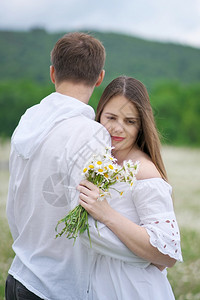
column 183, row 167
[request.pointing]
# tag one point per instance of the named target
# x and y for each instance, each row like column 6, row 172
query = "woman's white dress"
column 118, row 274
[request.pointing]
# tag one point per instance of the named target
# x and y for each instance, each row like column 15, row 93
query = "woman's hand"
column 161, row 268
column 89, row 194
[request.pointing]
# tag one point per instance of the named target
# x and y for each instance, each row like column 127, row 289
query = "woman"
column 143, row 219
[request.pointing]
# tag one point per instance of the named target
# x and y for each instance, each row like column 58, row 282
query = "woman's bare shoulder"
column 147, row 169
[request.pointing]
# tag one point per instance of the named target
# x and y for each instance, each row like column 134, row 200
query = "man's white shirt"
column 49, row 148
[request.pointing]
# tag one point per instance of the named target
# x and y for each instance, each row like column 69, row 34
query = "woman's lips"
column 118, row 138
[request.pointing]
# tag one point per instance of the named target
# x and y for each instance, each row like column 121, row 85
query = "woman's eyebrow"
column 109, row 113
column 135, row 118
column 126, row 117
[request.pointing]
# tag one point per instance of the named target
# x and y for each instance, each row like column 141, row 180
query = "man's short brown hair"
column 78, row 57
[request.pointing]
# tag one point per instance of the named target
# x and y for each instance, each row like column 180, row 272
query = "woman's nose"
column 118, row 127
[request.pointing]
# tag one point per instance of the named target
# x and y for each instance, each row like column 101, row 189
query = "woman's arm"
column 132, row 235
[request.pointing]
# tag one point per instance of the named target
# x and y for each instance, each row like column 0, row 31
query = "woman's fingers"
column 90, row 194
column 87, row 194
column 89, row 185
column 98, row 209
column 82, row 189
column 84, row 198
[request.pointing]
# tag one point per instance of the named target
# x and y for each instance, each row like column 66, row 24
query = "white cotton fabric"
column 40, row 119
column 153, row 202
column 51, row 144
column 117, row 273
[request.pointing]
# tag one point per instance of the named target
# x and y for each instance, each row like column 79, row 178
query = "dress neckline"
column 153, row 179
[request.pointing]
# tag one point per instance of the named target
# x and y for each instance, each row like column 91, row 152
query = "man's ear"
column 100, row 79
column 52, row 74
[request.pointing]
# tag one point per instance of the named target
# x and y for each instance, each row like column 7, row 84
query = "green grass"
column 183, row 166
column 6, row 253
column 185, row 277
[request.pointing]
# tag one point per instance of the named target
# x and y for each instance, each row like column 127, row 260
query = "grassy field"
column 183, row 166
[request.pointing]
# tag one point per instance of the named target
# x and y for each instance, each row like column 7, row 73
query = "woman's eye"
column 110, row 118
column 131, row 121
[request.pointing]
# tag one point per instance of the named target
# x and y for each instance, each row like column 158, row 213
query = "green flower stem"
column 76, row 222
column 96, row 225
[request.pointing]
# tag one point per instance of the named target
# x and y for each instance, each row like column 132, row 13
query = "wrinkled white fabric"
column 117, row 273
column 49, row 148
column 40, row 119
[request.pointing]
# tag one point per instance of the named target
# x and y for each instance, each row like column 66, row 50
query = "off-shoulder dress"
column 117, row 273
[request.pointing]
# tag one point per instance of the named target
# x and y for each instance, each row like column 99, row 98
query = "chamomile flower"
column 109, row 148
column 99, row 171
column 103, row 171
column 91, row 166
column 85, row 170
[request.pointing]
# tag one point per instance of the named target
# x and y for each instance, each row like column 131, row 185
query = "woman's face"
column 121, row 119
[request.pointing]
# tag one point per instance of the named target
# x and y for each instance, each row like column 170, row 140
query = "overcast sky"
column 164, row 20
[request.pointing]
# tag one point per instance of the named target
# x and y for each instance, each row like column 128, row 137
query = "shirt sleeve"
column 154, row 205
column 105, row 242
column 10, row 205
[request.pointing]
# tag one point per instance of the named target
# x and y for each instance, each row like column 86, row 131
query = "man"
column 49, row 148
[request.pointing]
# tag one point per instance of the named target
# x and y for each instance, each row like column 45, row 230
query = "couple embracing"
column 137, row 237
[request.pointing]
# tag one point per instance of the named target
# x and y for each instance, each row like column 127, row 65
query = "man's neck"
column 78, row 91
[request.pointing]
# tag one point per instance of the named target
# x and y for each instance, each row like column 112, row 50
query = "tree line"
column 171, row 73
column 176, row 107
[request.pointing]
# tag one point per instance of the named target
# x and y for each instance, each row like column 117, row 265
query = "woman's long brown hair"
column 148, row 139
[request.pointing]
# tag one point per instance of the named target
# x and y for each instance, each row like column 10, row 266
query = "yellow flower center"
column 100, row 170
column 91, row 166
column 111, row 167
column 99, row 162
column 84, row 170
column 106, row 175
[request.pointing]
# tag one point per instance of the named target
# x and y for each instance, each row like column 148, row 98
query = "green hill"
column 26, row 55
column 170, row 72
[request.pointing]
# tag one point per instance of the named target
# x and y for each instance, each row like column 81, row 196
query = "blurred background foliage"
column 170, row 72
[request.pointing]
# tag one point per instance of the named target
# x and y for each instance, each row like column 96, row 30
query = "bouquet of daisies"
column 103, row 171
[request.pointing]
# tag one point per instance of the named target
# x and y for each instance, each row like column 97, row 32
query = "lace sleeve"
column 155, row 209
